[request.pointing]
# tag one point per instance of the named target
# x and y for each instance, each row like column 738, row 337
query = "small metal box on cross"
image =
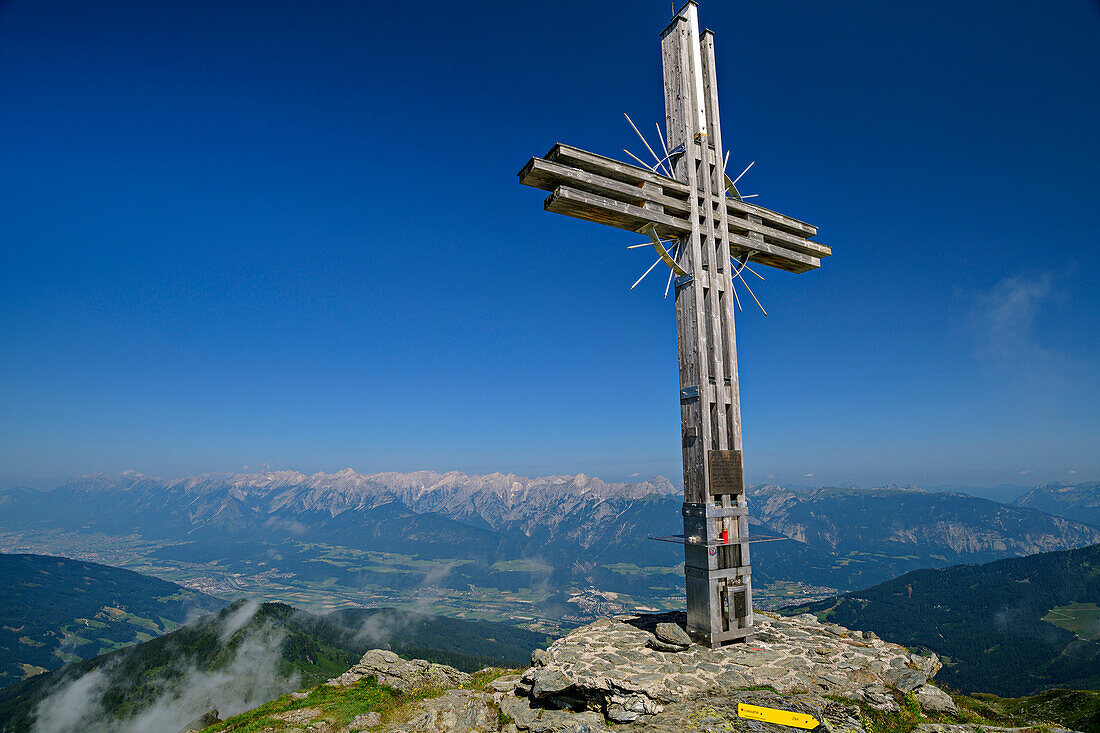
column 715, row 234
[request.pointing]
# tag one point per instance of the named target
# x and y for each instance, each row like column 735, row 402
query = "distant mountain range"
column 1080, row 502
column 586, row 530
column 238, row 658
column 54, row 610
column 1010, row 627
column 883, row 533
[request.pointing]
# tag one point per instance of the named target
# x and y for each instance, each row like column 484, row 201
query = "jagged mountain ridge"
column 846, row 538
column 1080, row 502
column 962, row 528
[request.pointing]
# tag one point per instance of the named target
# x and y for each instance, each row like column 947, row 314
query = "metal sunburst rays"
column 660, row 167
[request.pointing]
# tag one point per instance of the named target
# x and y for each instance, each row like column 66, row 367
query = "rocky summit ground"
column 641, row 674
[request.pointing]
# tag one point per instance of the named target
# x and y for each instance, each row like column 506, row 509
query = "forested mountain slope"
column 54, row 610
column 242, row 656
column 1010, row 627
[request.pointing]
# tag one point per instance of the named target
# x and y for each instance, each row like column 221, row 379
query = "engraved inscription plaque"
column 740, row 604
column 725, row 472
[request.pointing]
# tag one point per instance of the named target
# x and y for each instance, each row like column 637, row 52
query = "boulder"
column 549, row 681
column 455, row 711
column 906, row 679
column 401, row 674
column 364, row 721
column 507, row 683
column 672, row 634
column 934, row 701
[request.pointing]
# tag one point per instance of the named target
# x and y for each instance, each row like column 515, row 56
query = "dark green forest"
column 986, row 621
column 309, row 648
column 54, row 610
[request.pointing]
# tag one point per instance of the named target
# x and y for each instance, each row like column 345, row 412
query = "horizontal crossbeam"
column 594, row 188
column 611, row 168
column 604, row 210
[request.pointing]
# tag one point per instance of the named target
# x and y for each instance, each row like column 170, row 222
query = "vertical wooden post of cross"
column 718, row 581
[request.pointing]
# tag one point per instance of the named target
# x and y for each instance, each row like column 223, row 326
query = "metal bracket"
column 689, row 393
column 684, row 280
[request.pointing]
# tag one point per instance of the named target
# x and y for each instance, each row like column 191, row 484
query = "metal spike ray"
column 635, row 157
column 645, row 273
column 675, row 249
column 751, row 293
column 644, row 142
column 754, row 272
column 750, row 165
column 735, row 298
column 661, row 139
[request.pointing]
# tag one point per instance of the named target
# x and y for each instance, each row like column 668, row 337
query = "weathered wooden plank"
column 604, row 210
column 611, row 168
column 772, row 254
column 789, row 241
column 780, row 221
column 548, row 175
column 783, row 228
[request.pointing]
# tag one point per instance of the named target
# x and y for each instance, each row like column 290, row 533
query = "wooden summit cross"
column 714, row 234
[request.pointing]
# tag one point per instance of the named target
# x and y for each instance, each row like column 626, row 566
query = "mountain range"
column 1080, row 502
column 580, row 529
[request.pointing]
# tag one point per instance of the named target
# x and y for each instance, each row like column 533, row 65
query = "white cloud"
column 1002, row 321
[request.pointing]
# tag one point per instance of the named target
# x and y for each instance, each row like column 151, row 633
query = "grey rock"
column 507, row 683
column 539, row 658
column 930, row 663
column 620, row 667
column 400, row 674
column 906, row 679
column 210, row 717
column 672, row 634
column 455, row 711
column 365, row 721
column 541, row 720
column 661, row 646
column 934, row 701
column 549, row 681
column 619, row 714
column 878, row 696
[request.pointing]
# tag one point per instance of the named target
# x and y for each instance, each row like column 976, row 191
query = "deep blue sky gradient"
column 290, row 235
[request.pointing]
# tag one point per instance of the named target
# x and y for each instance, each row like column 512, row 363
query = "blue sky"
column 291, row 235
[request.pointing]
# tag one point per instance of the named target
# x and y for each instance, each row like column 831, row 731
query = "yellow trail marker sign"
column 771, row 715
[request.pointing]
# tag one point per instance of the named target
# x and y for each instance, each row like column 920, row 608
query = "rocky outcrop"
column 401, row 674
column 613, row 666
column 608, row 677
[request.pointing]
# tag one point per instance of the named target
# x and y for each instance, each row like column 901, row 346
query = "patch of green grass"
column 1074, row 709
column 340, row 705
column 1082, row 619
column 337, row 704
